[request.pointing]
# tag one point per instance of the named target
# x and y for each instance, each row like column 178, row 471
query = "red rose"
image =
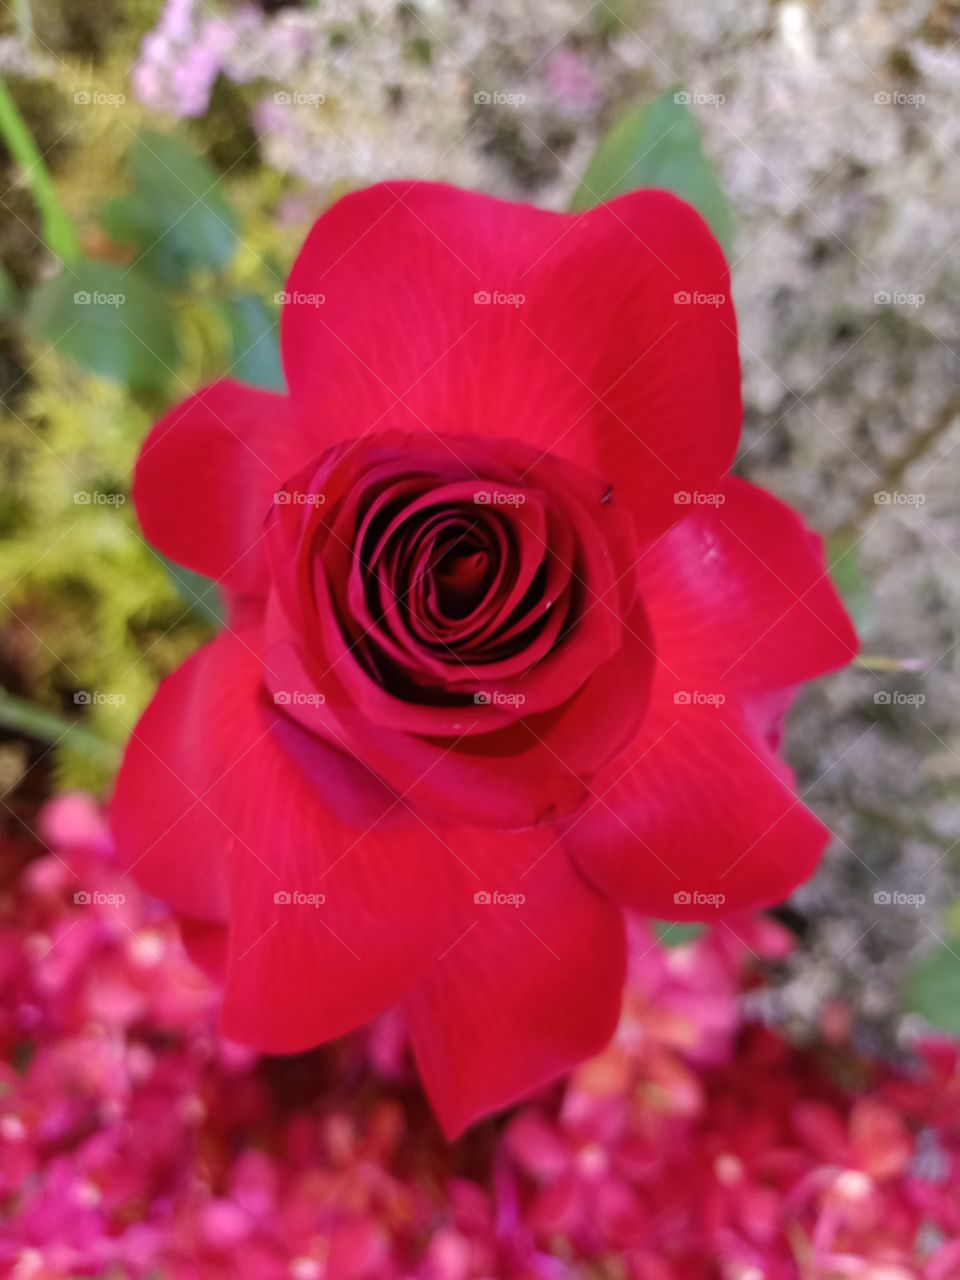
column 507, row 652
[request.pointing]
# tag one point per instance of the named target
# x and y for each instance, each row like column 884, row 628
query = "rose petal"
column 599, row 362
column 699, row 820
column 740, row 597
column 524, row 994
column 219, row 797
column 206, row 476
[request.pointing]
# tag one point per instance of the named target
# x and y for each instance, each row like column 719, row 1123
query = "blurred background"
column 160, row 166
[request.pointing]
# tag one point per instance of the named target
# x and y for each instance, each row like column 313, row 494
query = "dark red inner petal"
column 488, row 579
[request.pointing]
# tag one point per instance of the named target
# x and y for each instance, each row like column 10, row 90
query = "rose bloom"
column 508, row 650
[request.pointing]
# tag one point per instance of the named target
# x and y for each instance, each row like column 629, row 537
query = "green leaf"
column 202, row 596
column 657, row 144
column 8, row 293
column 676, row 935
column 254, row 342
column 58, row 233
column 22, row 717
column 128, row 220
column 110, row 319
column 177, row 215
column 847, row 577
column 932, row 988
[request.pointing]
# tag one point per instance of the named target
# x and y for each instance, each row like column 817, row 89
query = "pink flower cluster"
column 136, row 1142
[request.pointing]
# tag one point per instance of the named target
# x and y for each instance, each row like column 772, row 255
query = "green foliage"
column 58, row 233
column 933, row 986
column 112, row 320
column 657, row 144
column 848, row 578
column 254, row 344
column 91, row 608
column 676, row 935
column 176, row 214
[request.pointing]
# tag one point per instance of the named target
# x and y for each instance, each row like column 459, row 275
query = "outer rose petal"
column 598, row 363
column 207, row 474
column 524, row 994
column 739, row 596
column 278, row 813
column 168, row 834
column 701, row 808
column 740, row 608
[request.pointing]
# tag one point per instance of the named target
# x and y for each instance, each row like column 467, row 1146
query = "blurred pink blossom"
column 135, row 1141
